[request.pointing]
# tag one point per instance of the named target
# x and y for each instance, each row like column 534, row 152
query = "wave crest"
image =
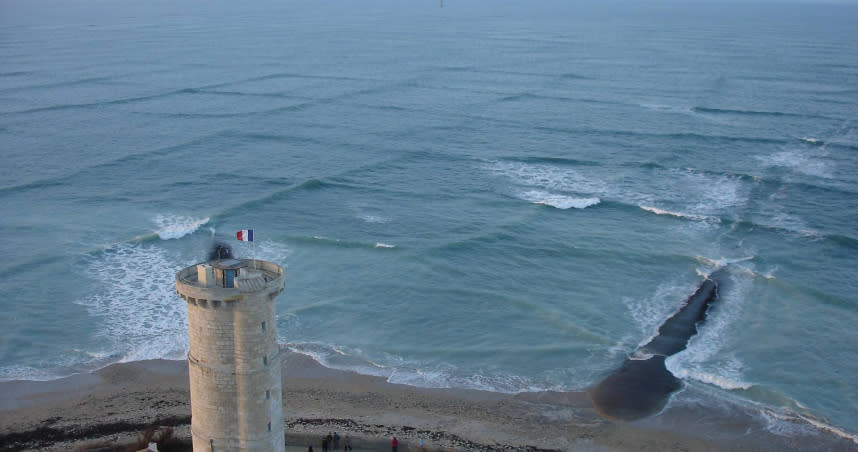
column 562, row 202
column 720, row 381
column 396, row 370
column 687, row 216
column 177, row 226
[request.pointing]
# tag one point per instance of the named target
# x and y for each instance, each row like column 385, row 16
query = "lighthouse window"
column 265, row 360
column 269, row 426
column 263, row 326
column 267, row 395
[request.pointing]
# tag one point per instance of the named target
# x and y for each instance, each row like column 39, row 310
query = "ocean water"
column 502, row 195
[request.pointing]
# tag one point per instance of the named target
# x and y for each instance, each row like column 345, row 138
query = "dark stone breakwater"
column 643, row 385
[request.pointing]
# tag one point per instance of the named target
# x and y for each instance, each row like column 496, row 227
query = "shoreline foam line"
column 324, row 400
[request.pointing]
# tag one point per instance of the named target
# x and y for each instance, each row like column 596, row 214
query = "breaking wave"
column 548, row 177
column 721, row 381
column 658, row 211
column 177, row 226
column 562, row 202
column 810, row 140
column 423, row 375
column 136, row 301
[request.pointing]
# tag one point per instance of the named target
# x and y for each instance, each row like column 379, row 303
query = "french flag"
column 245, row 235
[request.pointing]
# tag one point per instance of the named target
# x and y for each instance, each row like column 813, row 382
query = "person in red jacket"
column 394, row 443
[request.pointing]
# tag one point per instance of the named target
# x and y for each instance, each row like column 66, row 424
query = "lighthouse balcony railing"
column 269, row 271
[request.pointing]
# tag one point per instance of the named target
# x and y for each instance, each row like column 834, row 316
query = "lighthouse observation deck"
column 228, row 279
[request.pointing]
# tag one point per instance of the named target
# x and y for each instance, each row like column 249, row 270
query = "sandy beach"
column 112, row 405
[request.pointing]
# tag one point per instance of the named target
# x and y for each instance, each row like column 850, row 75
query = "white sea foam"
column 70, row 362
column 373, row 218
column 422, row 378
column 639, row 355
column 450, row 377
column 811, row 140
column 649, row 313
column 425, row 375
column 708, row 357
column 177, row 226
column 549, row 177
column 18, row 372
column 135, row 302
column 384, row 245
column 718, row 194
column 559, row 201
column 368, row 213
column 96, row 355
column 623, row 346
column 701, row 197
column 754, row 274
column 693, row 195
column 823, row 425
column 794, row 224
column 718, row 263
column 807, row 162
column 338, row 358
column 658, row 211
column 694, row 361
column 270, row 250
column 770, row 274
column 714, row 379
column 784, row 423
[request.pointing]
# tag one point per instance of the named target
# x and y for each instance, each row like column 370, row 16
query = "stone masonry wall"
column 234, row 367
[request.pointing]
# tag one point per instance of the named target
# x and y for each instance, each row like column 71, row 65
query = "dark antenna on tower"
column 219, row 251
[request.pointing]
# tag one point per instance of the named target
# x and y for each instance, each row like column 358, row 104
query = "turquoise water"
column 506, row 196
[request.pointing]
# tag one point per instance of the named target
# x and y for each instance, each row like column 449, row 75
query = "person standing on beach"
column 310, row 449
column 325, row 444
column 336, row 441
column 394, row 443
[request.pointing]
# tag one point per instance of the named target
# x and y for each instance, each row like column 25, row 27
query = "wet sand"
column 115, row 403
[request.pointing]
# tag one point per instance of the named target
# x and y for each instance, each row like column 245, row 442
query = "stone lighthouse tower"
column 234, row 360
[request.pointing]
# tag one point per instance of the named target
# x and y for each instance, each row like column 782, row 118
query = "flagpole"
column 246, row 235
